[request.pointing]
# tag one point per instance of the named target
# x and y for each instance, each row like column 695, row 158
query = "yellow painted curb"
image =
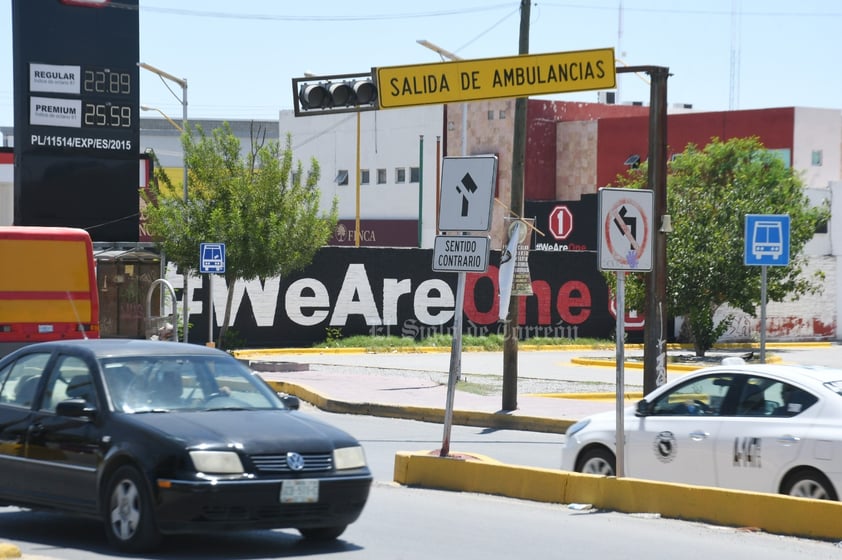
column 671, row 367
column 783, row 515
column 499, row 420
column 9, row 551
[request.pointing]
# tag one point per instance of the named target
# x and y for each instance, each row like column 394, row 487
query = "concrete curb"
column 783, row 515
column 499, row 420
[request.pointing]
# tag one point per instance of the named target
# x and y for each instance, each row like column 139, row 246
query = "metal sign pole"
column 620, row 342
column 763, row 314
column 455, row 364
column 210, row 309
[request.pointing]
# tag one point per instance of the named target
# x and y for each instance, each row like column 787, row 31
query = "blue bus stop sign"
column 212, row 258
column 766, row 240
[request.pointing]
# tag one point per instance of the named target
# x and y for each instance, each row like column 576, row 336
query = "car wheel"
column 322, row 533
column 597, row 460
column 129, row 521
column 808, row 483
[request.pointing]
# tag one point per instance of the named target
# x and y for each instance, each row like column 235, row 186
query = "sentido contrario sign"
column 460, row 253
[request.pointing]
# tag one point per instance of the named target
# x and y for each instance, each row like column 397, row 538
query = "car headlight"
column 349, row 458
column 217, row 462
column 577, row 427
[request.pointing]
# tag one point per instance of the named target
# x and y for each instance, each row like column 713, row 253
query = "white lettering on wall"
column 355, row 298
column 264, row 299
column 307, row 302
column 393, row 289
column 434, row 294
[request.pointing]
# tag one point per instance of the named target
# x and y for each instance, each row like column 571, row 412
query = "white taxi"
column 764, row 428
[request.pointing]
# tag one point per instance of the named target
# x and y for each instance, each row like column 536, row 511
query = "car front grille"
column 313, row 462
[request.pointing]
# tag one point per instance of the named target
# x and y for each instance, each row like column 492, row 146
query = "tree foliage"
column 709, row 192
column 261, row 205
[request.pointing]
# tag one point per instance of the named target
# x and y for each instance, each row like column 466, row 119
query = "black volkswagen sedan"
column 156, row 438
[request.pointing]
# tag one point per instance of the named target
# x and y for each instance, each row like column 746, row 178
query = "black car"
column 157, row 438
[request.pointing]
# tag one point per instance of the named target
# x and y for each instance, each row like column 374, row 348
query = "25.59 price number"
column 106, row 115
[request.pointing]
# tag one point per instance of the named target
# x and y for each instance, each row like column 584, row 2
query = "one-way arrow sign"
column 467, row 188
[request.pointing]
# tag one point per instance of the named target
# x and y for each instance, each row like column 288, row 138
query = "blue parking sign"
column 212, row 258
column 766, row 240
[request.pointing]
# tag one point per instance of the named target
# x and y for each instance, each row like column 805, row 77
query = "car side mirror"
column 290, row 401
column 642, row 408
column 76, row 408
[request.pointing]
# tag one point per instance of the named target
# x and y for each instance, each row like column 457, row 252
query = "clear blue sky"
column 239, row 56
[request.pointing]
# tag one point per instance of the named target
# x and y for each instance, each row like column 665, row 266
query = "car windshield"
column 183, row 383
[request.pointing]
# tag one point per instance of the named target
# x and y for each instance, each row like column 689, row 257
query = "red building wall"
column 621, row 137
column 541, row 148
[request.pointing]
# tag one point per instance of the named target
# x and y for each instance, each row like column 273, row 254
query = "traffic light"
column 342, row 93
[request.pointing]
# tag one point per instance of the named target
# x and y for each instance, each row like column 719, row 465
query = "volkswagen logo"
column 295, row 461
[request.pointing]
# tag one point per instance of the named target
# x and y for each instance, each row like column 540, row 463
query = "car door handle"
column 789, row 439
column 699, row 435
column 36, row 430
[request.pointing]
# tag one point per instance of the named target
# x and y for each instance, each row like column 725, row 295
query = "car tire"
column 127, row 511
column 597, row 460
column 322, row 533
column 809, row 483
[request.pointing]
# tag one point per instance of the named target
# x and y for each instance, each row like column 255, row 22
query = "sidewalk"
column 414, row 385
column 420, row 397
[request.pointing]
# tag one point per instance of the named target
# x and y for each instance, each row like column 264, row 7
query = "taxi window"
column 703, row 396
column 20, row 379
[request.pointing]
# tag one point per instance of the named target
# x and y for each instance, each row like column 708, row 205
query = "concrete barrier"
column 782, row 515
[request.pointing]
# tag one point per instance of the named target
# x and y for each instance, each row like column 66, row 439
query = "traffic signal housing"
column 339, row 93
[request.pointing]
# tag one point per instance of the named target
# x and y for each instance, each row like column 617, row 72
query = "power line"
column 317, row 18
column 613, row 7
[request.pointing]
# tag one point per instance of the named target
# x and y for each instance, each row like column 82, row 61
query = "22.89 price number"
column 107, row 115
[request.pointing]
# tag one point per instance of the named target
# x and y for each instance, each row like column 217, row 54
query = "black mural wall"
column 388, row 291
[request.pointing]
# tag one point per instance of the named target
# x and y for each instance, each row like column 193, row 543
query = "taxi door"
column 762, row 439
column 672, row 449
column 675, row 438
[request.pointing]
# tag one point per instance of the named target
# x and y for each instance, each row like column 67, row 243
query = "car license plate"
column 304, row 491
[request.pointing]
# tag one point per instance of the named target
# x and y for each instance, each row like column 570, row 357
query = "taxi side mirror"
column 642, row 408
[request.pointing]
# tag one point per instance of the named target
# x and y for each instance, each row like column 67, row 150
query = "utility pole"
column 510, row 342
column 655, row 333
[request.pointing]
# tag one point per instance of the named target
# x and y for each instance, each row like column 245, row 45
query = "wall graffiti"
column 363, row 291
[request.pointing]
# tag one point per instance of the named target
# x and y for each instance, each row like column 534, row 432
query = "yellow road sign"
column 495, row 78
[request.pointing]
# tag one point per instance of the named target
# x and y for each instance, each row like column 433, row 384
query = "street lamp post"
column 183, row 83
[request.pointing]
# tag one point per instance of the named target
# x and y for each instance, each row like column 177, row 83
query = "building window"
column 491, row 115
column 414, row 174
column 501, row 115
column 817, row 158
column 400, row 175
column 381, row 176
column 365, row 177
column 342, row 177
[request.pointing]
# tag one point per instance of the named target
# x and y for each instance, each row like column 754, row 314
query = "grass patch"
column 492, row 342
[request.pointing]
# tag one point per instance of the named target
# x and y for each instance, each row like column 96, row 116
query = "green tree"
column 709, row 192
column 261, row 205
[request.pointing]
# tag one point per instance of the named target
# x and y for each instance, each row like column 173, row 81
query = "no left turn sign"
column 625, row 229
